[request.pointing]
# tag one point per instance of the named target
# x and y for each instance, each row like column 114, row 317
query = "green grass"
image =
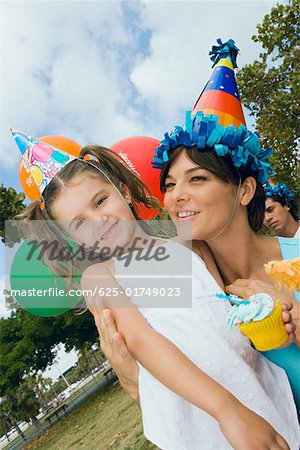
column 108, row 420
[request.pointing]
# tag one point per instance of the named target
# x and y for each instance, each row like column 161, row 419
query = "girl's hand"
column 244, row 288
column 114, row 347
column 246, row 430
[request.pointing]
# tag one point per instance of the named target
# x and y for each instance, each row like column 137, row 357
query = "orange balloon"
column 27, row 182
column 63, row 143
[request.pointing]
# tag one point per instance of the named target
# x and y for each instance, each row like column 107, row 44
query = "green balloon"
column 36, row 288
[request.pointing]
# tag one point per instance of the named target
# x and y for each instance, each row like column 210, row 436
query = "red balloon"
column 27, row 182
column 137, row 152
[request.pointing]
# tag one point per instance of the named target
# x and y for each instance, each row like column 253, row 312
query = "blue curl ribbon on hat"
column 279, row 190
column 223, row 50
column 204, row 132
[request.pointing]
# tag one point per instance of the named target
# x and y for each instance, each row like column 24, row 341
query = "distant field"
column 108, row 420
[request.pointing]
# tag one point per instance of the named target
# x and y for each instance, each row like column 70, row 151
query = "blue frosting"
column 280, row 190
column 204, row 132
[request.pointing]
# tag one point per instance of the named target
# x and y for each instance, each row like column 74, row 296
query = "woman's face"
column 197, row 199
column 92, row 211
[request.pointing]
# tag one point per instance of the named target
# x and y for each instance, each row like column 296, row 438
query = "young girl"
column 183, row 407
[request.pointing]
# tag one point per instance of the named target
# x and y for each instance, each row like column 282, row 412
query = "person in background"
column 281, row 215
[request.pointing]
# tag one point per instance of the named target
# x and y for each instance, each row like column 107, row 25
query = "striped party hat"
column 220, row 96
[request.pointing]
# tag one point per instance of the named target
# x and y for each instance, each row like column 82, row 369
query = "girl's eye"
column 79, row 223
column 100, row 201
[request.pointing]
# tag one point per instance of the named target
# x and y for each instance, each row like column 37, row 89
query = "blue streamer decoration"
column 279, row 190
column 204, row 131
column 223, row 50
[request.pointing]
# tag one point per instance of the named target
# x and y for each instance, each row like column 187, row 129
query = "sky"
column 97, row 72
column 62, row 362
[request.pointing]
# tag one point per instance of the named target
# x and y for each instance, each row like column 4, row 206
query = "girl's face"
column 196, row 198
column 92, row 211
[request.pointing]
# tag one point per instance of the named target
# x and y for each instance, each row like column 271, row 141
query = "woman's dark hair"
column 290, row 203
column 224, row 169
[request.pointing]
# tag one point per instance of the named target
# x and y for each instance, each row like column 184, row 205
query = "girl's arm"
column 172, row 368
column 114, row 347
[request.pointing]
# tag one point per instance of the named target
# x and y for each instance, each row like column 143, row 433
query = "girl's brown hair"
column 224, row 169
column 102, row 163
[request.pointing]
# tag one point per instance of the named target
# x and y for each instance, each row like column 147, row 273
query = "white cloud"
column 84, row 69
column 178, row 66
column 62, row 72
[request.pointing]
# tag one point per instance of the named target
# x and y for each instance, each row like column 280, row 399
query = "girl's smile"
column 110, row 231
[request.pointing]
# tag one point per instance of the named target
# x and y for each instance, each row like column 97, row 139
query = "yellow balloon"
column 37, row 174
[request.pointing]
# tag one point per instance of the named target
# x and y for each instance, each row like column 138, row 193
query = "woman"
column 214, row 182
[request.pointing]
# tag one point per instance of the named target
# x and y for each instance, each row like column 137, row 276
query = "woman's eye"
column 168, row 185
column 198, row 178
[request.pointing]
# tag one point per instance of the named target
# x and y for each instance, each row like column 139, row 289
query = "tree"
column 21, row 404
column 270, row 89
column 27, row 343
column 10, row 415
column 27, row 399
column 86, row 361
column 11, row 204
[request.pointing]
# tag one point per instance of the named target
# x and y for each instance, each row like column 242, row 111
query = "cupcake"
column 285, row 271
column 260, row 319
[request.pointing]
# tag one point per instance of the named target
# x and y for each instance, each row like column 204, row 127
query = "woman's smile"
column 186, row 215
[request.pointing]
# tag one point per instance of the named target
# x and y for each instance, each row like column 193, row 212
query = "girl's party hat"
column 220, row 96
column 42, row 160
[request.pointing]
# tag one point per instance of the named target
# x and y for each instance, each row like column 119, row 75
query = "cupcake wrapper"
column 268, row 333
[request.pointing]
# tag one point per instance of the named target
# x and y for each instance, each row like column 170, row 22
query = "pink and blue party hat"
column 43, row 160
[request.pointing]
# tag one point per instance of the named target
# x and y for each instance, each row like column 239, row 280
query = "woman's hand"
column 244, row 288
column 114, row 347
column 245, row 430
